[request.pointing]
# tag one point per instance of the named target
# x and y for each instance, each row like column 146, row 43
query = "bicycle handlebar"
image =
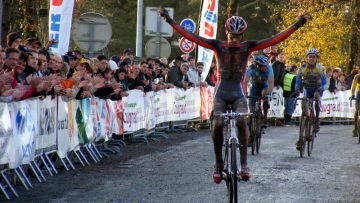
column 235, row 114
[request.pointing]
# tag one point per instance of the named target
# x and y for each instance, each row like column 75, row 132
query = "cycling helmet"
column 236, row 25
column 313, row 51
column 261, row 60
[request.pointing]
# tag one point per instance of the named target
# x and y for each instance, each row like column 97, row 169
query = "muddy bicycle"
column 231, row 171
column 307, row 126
column 255, row 125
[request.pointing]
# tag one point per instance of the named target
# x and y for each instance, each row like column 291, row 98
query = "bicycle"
column 232, row 150
column 256, row 128
column 358, row 118
column 307, row 123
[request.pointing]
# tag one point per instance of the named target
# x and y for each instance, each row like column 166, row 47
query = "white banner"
column 186, row 104
column 67, row 138
column 22, row 142
column 6, row 131
column 332, row 105
column 134, row 111
column 163, row 104
column 207, row 29
column 60, row 19
column 46, row 137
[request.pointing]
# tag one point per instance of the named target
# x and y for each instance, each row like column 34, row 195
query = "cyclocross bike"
column 231, row 172
column 255, row 125
column 358, row 117
column 307, row 125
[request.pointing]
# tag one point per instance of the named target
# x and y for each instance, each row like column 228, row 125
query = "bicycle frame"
column 232, row 154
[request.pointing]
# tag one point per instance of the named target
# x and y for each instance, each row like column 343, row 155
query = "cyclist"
column 262, row 83
column 355, row 93
column 313, row 80
column 231, row 57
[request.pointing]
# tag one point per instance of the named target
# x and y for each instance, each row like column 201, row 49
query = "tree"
column 355, row 35
column 327, row 31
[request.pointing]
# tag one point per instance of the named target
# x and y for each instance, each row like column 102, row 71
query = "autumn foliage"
column 327, row 31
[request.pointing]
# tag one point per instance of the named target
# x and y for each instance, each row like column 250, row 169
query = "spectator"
column 211, row 78
column 328, row 74
column 73, row 62
column 289, row 81
column 178, row 77
column 103, row 63
column 33, row 44
column 11, row 58
column 196, row 81
column 349, row 79
column 2, row 58
column 128, row 53
column 192, row 73
column 43, row 60
column 120, row 76
column 164, row 61
column 279, row 70
column 116, row 59
column 32, row 66
column 342, row 85
column 13, row 40
column 334, row 80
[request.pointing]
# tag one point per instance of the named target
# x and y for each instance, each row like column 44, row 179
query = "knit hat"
column 11, row 37
column 293, row 68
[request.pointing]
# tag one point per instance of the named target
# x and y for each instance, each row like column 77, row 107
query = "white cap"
column 113, row 65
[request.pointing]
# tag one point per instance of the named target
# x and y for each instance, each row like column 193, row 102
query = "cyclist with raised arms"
column 261, row 75
column 313, row 80
column 231, row 57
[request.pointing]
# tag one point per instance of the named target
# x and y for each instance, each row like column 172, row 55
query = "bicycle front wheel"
column 310, row 135
column 234, row 170
column 253, row 136
column 303, row 124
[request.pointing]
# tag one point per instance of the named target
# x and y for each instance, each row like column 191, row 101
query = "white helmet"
column 236, row 25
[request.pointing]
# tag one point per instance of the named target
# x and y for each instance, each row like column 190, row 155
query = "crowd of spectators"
column 28, row 69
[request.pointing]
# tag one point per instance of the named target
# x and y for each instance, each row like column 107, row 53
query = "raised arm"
column 262, row 44
column 207, row 43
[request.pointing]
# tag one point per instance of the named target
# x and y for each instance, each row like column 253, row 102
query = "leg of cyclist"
column 252, row 102
column 317, row 97
column 266, row 106
column 357, row 103
column 218, row 138
column 240, row 105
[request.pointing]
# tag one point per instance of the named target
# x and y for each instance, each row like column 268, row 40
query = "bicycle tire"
column 358, row 129
column 234, row 170
column 258, row 142
column 303, row 121
column 253, row 134
column 308, row 134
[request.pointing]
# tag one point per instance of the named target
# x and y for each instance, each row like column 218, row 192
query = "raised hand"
column 163, row 13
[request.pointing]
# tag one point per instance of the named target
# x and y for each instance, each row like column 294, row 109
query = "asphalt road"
column 180, row 168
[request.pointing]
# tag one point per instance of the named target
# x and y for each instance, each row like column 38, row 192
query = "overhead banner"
column 60, row 19
column 207, row 29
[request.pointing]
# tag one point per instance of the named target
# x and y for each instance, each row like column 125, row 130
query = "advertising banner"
column 60, row 19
